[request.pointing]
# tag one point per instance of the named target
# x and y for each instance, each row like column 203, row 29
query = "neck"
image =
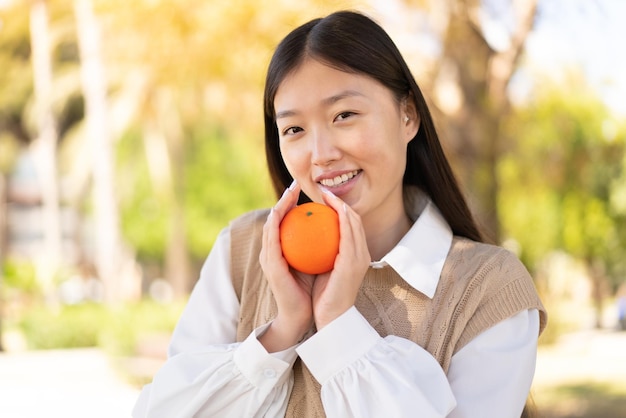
column 383, row 233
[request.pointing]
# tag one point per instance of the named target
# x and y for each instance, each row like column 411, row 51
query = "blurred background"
column 131, row 133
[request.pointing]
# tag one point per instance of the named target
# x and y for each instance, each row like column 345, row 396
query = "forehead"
column 316, row 82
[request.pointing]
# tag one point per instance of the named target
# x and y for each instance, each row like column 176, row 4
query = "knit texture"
column 480, row 285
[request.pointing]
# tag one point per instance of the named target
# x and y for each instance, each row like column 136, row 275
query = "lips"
column 339, row 179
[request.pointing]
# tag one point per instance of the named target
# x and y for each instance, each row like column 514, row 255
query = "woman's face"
column 345, row 132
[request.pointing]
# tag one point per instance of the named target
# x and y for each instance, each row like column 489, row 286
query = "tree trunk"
column 110, row 256
column 599, row 287
column 482, row 76
column 3, row 245
column 44, row 147
column 163, row 142
column 177, row 265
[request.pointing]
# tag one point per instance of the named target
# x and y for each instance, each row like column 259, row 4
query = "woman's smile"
column 339, row 183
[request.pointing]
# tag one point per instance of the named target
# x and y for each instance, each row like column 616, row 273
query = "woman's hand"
column 335, row 292
column 291, row 289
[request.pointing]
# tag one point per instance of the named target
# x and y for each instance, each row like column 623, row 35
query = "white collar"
column 419, row 256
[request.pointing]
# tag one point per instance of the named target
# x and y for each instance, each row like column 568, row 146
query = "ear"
column 410, row 117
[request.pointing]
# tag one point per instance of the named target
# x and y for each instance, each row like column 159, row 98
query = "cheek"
column 388, row 155
column 380, row 145
column 294, row 158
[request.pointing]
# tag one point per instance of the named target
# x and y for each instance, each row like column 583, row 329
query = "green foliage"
column 16, row 74
column 589, row 399
column 16, row 77
column 223, row 179
column 117, row 330
column 20, row 275
column 129, row 324
column 558, row 187
column 68, row 327
column 587, row 226
column 144, row 212
column 9, row 149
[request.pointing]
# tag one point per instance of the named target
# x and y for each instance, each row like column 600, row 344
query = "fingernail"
column 345, row 208
column 328, row 192
column 290, row 188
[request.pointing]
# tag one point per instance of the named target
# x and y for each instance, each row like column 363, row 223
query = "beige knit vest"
column 480, row 285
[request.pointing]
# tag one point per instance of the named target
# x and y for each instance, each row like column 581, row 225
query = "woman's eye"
column 292, row 130
column 344, row 115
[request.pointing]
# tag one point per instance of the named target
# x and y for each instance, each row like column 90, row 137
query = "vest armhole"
column 242, row 232
column 517, row 294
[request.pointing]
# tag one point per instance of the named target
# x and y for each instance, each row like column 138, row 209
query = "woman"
column 417, row 317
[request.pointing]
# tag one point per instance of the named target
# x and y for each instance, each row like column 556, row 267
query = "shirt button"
column 269, row 373
column 378, row 264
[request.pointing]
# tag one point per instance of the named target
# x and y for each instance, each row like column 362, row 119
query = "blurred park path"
column 75, row 383
column 596, row 355
column 582, row 375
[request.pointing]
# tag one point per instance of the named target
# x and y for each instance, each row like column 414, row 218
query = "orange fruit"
column 309, row 237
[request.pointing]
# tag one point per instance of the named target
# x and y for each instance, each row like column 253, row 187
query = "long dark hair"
column 352, row 42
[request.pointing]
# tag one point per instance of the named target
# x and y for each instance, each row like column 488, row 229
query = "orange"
column 309, row 237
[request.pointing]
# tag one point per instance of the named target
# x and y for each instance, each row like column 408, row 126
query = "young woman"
column 418, row 317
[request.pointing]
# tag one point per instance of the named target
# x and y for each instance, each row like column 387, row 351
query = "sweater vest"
column 480, row 285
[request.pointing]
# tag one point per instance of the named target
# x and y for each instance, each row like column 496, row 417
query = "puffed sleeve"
column 377, row 376
column 207, row 374
column 365, row 375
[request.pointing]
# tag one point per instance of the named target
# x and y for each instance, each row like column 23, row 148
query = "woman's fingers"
column 288, row 200
column 291, row 291
column 271, row 250
column 352, row 242
column 335, row 292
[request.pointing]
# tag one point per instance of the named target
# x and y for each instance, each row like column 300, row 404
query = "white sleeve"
column 393, row 376
column 207, row 373
column 366, row 376
column 492, row 375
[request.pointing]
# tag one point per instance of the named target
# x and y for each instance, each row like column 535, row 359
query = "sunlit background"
column 131, row 133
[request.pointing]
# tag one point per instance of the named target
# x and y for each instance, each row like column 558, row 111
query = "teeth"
column 339, row 179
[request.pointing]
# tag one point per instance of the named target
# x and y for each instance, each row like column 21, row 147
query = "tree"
column 561, row 183
column 467, row 79
column 110, row 256
column 45, row 144
column 15, row 85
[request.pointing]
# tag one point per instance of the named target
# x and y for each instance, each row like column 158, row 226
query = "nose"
column 323, row 148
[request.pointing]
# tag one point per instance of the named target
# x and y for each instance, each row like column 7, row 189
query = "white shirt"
column 362, row 374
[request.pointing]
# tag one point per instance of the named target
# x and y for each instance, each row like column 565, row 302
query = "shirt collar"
column 419, row 256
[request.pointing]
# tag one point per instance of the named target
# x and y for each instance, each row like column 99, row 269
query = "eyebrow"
column 327, row 101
